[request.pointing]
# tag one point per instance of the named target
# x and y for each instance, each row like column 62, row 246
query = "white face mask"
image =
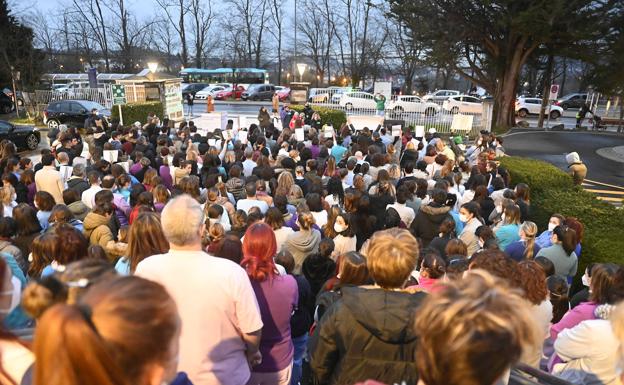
column 586, row 280
column 551, row 226
column 15, row 294
column 340, row 228
column 503, row 217
column 463, row 218
column 499, row 208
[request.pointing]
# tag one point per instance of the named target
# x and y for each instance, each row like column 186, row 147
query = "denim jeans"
column 300, row 348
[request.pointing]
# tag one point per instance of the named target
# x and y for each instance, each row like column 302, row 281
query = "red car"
column 229, row 93
column 282, row 92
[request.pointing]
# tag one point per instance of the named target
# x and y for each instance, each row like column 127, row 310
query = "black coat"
column 367, row 334
column 426, row 225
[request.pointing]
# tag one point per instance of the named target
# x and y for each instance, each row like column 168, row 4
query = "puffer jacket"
column 368, row 333
column 426, row 225
column 98, row 233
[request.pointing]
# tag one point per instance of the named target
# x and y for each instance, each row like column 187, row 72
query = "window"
column 470, row 99
column 63, row 107
column 4, row 127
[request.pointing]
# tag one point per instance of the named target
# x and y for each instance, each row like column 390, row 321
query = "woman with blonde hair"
column 525, row 248
column 145, row 238
column 161, row 197
column 284, row 182
column 303, row 242
column 295, row 195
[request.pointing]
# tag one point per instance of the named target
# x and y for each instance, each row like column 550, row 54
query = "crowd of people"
column 152, row 254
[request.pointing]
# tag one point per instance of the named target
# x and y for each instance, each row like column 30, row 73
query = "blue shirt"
column 338, row 152
column 516, row 250
column 506, row 235
column 123, row 266
column 544, row 239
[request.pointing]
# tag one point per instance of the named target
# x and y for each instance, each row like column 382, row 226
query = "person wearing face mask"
column 15, row 358
column 583, row 295
column 544, row 239
column 345, row 239
column 469, row 216
column 508, row 232
column 561, row 253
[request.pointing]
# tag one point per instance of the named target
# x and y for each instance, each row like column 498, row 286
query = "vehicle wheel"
column 349, row 106
column 555, row 114
column 53, row 124
column 523, row 113
column 32, row 142
column 20, row 102
column 430, row 111
column 6, row 109
column 564, row 106
column 454, row 110
column 398, row 110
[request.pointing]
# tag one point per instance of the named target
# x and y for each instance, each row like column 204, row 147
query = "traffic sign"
column 554, row 91
column 119, row 93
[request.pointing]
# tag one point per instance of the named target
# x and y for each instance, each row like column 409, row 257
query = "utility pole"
column 14, row 91
column 294, row 59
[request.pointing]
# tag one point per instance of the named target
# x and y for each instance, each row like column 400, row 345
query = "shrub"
column 552, row 191
column 328, row 115
column 137, row 112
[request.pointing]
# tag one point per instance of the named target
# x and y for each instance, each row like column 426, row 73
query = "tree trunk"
column 546, row 90
column 564, row 75
column 184, row 54
column 104, row 38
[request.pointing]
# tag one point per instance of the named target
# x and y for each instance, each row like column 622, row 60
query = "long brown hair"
column 146, row 238
column 118, row 328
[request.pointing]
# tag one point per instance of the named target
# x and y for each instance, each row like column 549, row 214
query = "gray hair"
column 79, row 170
column 181, row 219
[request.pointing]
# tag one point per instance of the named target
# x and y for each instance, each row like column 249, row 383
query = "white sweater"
column 590, row 352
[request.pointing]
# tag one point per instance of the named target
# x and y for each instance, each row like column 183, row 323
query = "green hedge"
column 328, row 115
column 552, row 191
column 137, row 112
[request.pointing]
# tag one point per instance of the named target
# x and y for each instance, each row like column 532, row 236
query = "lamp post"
column 301, row 67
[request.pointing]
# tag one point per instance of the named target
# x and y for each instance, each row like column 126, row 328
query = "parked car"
column 71, row 112
column 192, row 88
column 465, row 104
column 20, row 96
column 283, row 93
column 319, row 95
column 440, row 95
column 208, row 91
column 532, row 106
column 358, row 99
column 6, row 103
column 571, row 101
column 336, row 93
column 410, row 103
column 259, row 92
column 26, row 137
column 230, row 93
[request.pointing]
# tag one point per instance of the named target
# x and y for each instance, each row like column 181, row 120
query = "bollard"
column 209, row 104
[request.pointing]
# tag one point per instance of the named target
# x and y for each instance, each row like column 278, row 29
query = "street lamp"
column 301, row 67
column 288, row 77
column 153, row 66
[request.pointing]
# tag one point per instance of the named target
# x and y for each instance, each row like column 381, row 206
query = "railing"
column 103, row 95
column 442, row 120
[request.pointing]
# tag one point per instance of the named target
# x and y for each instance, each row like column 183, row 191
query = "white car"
column 358, row 99
column 440, row 95
column 532, row 106
column 464, row 104
column 208, row 91
column 410, row 103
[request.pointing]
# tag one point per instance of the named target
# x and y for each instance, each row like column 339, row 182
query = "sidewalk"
column 615, row 154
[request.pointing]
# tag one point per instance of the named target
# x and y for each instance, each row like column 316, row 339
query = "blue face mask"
column 230, row 146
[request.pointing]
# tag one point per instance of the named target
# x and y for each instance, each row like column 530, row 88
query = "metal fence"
column 442, row 120
column 102, row 95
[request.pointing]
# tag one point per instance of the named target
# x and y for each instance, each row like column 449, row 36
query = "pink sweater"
column 583, row 312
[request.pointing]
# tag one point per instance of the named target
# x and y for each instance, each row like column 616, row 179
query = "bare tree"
column 90, row 11
column 130, row 34
column 164, row 37
column 179, row 9
column 253, row 18
column 203, row 18
column 316, row 40
column 408, row 52
column 277, row 14
column 45, row 34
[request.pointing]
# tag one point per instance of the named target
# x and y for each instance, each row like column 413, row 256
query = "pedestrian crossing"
column 606, row 192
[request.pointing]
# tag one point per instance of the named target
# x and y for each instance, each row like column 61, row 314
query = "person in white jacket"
column 590, row 351
column 345, row 240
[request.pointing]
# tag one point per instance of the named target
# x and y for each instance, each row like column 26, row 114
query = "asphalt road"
column 552, row 147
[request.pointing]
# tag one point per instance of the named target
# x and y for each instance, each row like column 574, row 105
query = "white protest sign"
column 359, row 122
column 396, row 130
column 212, row 142
column 420, row 131
column 299, row 134
column 329, row 131
column 125, row 165
column 242, row 136
column 110, row 156
column 461, row 122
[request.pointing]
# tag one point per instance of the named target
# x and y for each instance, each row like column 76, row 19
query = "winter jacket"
column 97, row 231
column 317, row 270
column 368, row 333
column 78, row 184
column 301, row 244
column 426, row 225
column 469, row 237
column 8, row 248
column 79, row 209
column 236, row 186
column 590, row 351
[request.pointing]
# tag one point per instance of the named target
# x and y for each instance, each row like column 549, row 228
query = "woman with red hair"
column 277, row 298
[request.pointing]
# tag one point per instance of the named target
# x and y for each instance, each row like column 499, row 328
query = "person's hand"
column 254, row 358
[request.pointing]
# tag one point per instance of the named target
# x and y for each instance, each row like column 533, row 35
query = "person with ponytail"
column 561, row 253
column 15, row 357
column 123, row 331
column 278, row 296
column 525, row 248
column 305, row 241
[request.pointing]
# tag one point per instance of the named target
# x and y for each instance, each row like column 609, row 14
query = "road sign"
column 554, row 91
column 119, row 93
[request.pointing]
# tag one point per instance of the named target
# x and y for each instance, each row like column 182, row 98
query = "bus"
column 225, row 75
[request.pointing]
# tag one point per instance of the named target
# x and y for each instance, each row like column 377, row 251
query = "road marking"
column 604, row 184
column 602, row 191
